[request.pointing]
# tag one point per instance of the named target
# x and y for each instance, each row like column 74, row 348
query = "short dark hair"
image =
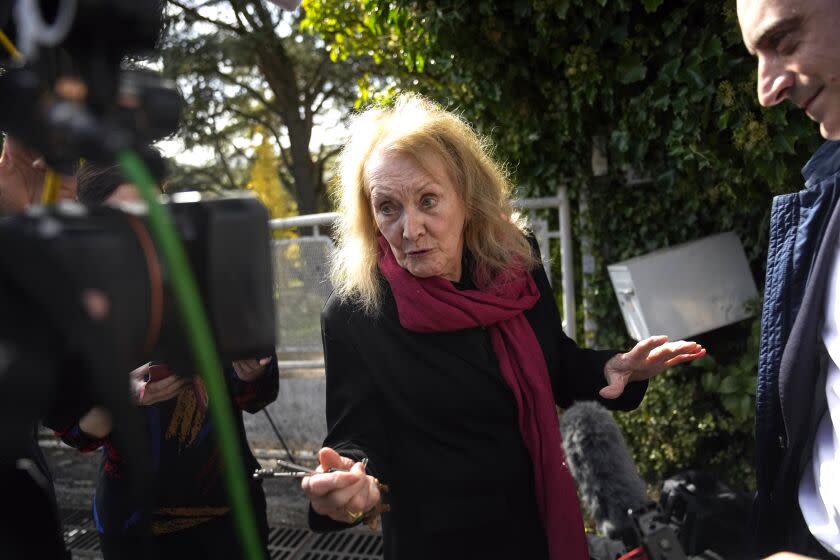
column 95, row 182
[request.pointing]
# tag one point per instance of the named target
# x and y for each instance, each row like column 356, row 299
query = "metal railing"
column 539, row 225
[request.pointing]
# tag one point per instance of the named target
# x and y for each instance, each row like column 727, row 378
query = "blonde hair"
column 422, row 129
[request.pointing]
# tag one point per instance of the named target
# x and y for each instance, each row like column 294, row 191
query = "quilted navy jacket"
column 790, row 395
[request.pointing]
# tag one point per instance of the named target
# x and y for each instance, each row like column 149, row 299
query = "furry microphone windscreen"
column 608, row 481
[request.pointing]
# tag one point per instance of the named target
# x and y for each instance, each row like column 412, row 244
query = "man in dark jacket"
column 798, row 395
column 22, row 177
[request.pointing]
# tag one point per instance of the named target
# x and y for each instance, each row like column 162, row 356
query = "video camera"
column 84, row 296
column 696, row 517
column 72, row 99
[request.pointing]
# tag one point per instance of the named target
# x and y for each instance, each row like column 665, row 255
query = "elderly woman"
column 445, row 355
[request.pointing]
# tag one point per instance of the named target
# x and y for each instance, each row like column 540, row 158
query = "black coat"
column 439, row 426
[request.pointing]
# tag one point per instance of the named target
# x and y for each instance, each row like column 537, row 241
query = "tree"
column 243, row 63
column 266, row 183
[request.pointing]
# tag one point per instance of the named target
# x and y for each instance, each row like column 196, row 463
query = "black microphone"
column 607, row 479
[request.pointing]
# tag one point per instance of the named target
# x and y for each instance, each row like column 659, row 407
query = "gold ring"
column 354, row 515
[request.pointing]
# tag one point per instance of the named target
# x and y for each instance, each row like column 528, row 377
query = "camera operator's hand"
column 648, row 358
column 250, row 370
column 96, row 423
column 22, row 173
column 150, row 392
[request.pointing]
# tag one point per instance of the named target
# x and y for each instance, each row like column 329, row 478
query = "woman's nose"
column 413, row 225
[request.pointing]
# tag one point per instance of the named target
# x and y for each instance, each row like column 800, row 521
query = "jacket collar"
column 823, row 164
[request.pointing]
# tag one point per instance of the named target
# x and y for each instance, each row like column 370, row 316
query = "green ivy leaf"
column 561, row 8
column 631, row 69
column 782, row 144
column 745, row 407
column 668, row 71
column 651, row 5
column 709, row 382
column 729, row 385
column 696, row 77
column 712, row 47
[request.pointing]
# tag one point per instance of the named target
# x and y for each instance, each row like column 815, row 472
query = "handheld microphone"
column 608, row 481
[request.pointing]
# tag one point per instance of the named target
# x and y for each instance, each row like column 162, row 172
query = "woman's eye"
column 386, row 209
column 428, row 201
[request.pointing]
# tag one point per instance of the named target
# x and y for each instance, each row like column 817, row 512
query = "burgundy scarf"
column 435, row 305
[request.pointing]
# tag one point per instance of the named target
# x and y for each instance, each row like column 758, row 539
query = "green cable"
column 204, row 352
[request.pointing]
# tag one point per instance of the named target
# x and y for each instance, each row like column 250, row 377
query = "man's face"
column 22, row 174
column 797, row 43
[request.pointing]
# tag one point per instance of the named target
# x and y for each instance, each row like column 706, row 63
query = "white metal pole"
column 567, row 263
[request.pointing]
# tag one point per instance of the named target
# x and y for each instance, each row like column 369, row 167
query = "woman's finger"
column 358, row 501
column 336, row 500
column 340, row 498
column 614, row 389
column 682, row 358
column 329, row 458
column 683, row 347
column 672, row 349
column 326, row 483
column 644, row 347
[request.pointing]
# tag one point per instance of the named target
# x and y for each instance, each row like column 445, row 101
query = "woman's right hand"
column 151, row 392
column 344, row 495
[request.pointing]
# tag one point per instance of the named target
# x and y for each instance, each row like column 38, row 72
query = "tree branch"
column 322, row 157
column 284, row 153
column 316, row 77
column 326, row 95
column 267, row 22
column 194, row 13
column 223, row 161
column 227, row 78
column 241, row 10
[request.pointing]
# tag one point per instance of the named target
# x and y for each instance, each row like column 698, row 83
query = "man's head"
column 103, row 184
column 797, row 43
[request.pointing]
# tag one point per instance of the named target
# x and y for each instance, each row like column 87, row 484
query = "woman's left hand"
column 648, row 358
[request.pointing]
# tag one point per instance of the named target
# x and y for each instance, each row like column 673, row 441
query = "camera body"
column 71, row 97
column 84, row 296
column 110, row 252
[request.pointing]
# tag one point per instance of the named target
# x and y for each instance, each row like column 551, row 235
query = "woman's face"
column 419, row 213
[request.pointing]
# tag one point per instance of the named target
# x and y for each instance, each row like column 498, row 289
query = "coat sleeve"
column 76, row 438
column 580, row 372
column 253, row 396
column 355, row 427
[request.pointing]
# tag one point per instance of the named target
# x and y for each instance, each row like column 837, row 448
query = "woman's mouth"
column 416, row 254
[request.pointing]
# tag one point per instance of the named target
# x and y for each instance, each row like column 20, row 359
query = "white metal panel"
column 687, row 289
